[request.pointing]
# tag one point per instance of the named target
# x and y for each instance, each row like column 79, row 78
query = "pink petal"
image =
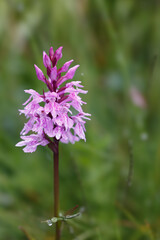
column 68, row 75
column 39, row 73
column 32, row 92
column 74, row 83
column 77, row 106
column 65, row 66
column 57, row 132
column 71, row 72
column 46, row 60
column 59, row 121
column 49, row 127
column 48, row 107
column 53, row 74
column 44, row 142
column 70, row 123
column 51, row 53
column 20, row 144
column 30, row 149
column 72, row 138
column 58, row 53
column 79, row 131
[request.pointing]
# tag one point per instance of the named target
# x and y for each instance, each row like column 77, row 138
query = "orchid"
column 56, row 113
column 54, row 116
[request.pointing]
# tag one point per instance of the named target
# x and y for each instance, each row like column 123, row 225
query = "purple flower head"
column 56, row 114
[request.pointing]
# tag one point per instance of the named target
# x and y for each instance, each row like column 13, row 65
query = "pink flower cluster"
column 56, row 113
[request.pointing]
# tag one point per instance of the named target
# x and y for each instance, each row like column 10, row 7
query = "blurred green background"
column 115, row 174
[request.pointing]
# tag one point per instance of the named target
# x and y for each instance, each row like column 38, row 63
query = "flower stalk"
column 56, row 186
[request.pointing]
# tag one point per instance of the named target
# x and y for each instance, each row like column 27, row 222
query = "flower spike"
column 49, row 115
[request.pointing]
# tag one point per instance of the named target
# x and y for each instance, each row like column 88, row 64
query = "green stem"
column 56, row 187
